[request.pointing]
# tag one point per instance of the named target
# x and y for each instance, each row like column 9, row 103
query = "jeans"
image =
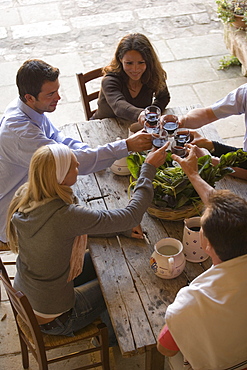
column 89, row 305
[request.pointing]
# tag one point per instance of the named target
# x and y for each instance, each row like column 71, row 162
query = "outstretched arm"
column 197, row 118
column 190, row 167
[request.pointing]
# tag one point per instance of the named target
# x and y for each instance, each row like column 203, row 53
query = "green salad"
column 172, row 187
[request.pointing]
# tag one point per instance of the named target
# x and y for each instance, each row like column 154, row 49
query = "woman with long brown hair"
column 132, row 81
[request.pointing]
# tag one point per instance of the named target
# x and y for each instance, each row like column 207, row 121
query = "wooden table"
column 136, row 299
column 236, row 42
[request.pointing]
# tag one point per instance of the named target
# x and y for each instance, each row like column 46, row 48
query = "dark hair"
column 154, row 75
column 224, row 224
column 32, row 75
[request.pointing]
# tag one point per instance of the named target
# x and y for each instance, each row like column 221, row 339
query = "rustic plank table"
column 136, row 299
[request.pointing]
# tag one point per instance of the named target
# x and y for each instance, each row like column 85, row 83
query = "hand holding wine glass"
column 157, row 157
column 152, row 119
column 160, row 138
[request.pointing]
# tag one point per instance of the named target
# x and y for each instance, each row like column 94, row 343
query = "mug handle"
column 170, row 265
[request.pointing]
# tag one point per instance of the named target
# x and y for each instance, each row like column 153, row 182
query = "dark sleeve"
column 162, row 99
column 115, row 98
column 220, row 149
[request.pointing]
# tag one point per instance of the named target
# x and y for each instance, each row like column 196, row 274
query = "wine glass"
column 170, row 126
column 182, row 136
column 160, row 138
column 177, row 149
column 152, row 119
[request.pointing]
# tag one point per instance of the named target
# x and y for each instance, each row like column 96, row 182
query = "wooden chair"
column 38, row 343
column 11, row 277
column 87, row 98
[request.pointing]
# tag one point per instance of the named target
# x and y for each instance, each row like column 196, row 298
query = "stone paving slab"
column 211, row 91
column 80, row 35
column 198, row 46
column 189, row 71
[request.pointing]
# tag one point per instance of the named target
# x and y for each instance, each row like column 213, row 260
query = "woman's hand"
column 137, row 232
column 141, row 118
column 200, row 141
column 157, row 157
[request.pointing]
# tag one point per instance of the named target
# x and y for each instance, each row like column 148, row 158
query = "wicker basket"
column 170, row 214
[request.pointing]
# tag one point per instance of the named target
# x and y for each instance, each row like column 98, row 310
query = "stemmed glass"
column 177, row 149
column 153, row 126
column 152, row 119
column 160, row 138
column 182, row 136
column 170, row 126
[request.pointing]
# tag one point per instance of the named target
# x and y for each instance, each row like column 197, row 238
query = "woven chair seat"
column 59, row 340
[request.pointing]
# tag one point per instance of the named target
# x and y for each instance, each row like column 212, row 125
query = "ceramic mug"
column 120, row 167
column 191, row 240
column 167, row 260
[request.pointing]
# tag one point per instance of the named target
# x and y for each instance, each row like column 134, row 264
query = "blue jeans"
column 89, row 305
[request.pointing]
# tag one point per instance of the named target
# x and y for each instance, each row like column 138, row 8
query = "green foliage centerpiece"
column 174, row 196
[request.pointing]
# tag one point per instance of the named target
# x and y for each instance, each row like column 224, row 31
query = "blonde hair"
column 42, row 184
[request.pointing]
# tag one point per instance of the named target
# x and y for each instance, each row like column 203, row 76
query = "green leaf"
column 172, row 187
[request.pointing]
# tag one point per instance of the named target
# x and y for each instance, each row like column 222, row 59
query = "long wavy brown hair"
column 154, row 76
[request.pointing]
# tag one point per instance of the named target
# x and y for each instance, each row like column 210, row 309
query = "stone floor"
column 80, row 35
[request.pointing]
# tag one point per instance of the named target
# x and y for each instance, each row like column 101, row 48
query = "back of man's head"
column 32, row 75
column 224, row 224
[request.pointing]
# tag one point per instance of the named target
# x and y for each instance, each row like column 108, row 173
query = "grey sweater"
column 46, row 237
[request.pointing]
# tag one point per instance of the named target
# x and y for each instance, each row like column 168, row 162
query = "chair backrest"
column 21, row 306
column 86, row 97
column 38, row 343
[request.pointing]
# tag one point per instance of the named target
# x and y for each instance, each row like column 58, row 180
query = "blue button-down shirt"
column 22, row 132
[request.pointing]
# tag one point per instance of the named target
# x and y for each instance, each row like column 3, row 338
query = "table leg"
column 154, row 359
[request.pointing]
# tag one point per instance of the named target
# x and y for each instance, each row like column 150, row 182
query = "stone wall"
column 236, row 43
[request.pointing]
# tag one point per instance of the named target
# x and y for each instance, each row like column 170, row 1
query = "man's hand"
column 139, row 142
column 190, row 167
column 200, row 141
column 189, row 164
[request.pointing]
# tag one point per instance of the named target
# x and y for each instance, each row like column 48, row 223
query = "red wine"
column 152, row 119
column 170, row 127
column 182, row 137
column 159, row 142
column 178, row 150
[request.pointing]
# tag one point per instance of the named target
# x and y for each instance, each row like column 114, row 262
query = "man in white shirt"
column 207, row 320
column 234, row 103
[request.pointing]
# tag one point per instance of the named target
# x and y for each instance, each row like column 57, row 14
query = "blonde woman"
column 133, row 80
column 49, row 231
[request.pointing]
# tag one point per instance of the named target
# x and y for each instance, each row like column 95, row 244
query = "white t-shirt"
column 208, row 319
column 234, row 103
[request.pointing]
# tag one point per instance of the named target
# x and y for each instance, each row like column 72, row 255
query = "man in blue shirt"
column 25, row 127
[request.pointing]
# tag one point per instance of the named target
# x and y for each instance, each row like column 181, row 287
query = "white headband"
column 62, row 155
